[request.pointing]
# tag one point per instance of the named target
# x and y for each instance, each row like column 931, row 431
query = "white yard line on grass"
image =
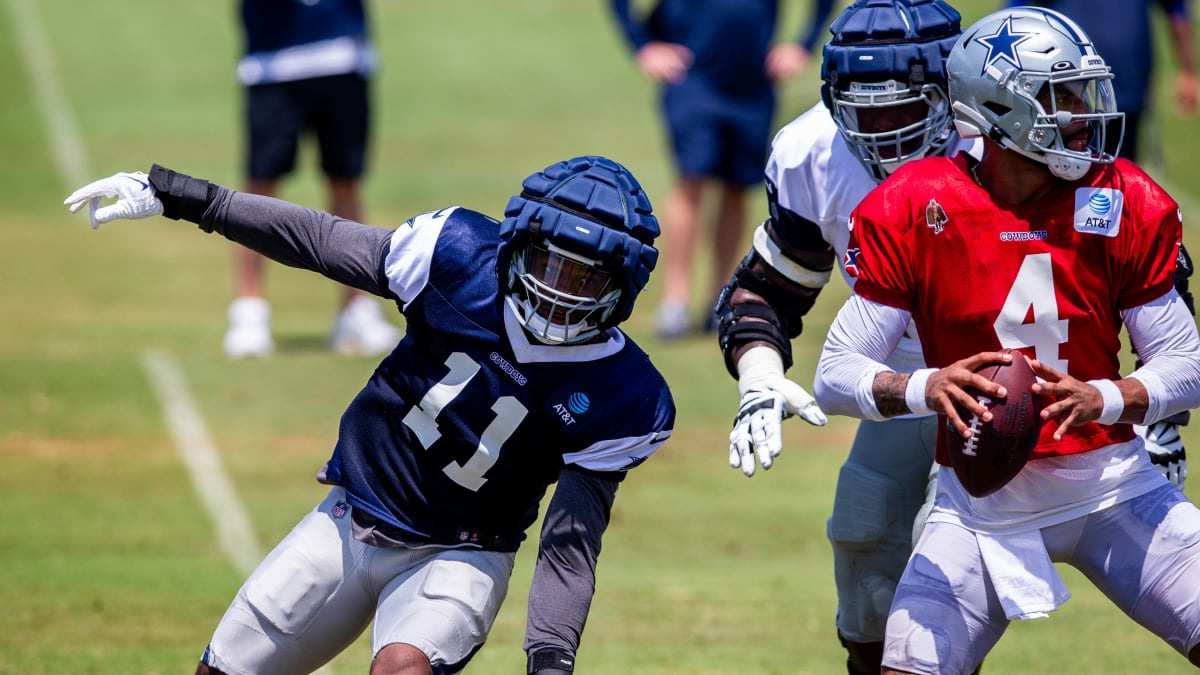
column 70, row 154
column 191, row 436
column 192, row 442
column 209, row 479
column 195, row 448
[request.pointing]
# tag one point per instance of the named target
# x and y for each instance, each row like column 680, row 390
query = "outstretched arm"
column 775, row 286
column 343, row 250
column 564, row 578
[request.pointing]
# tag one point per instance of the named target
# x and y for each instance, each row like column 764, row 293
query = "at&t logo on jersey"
column 577, row 404
column 1098, row 211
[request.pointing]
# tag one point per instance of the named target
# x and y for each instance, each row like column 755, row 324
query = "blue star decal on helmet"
column 1002, row 45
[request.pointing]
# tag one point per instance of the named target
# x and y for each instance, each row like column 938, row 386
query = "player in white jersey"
column 884, row 104
column 513, row 375
column 1047, row 245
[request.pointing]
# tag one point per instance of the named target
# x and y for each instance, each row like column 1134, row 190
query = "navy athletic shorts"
column 719, row 136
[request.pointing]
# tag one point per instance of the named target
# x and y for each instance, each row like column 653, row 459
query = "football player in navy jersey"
column 512, row 375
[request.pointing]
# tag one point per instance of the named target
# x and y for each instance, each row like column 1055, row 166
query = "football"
column 997, row 450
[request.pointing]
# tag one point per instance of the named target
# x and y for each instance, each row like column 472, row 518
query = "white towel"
column 1022, row 574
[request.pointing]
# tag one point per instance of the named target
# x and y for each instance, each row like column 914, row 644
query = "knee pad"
column 928, row 629
column 917, row 647
column 870, row 547
column 921, row 635
column 865, row 504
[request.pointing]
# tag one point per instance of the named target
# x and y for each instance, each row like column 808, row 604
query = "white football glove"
column 1165, row 446
column 134, row 194
column 768, row 398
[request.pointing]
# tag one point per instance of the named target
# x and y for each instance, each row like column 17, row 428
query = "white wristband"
column 1114, row 402
column 759, row 366
column 914, row 392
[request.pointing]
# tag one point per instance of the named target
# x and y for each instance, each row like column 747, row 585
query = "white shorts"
column 319, row 589
column 1143, row 554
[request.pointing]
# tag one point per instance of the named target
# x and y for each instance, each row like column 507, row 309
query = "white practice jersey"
column 820, row 178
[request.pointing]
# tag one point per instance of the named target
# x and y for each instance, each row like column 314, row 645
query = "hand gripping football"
column 997, row 450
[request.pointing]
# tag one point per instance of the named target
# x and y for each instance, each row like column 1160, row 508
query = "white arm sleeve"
column 1163, row 333
column 862, row 336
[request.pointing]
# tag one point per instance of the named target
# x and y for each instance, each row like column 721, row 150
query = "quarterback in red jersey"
column 1047, row 245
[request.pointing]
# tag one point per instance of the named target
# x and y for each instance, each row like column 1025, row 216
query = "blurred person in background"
column 717, row 67
column 306, row 71
column 884, row 103
column 514, row 375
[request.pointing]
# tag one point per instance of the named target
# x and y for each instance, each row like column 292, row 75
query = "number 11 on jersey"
column 422, row 419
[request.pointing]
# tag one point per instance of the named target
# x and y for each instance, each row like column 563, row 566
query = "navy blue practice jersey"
column 460, row 430
column 272, row 25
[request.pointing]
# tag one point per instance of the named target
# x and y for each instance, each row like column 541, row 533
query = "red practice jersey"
column 1048, row 277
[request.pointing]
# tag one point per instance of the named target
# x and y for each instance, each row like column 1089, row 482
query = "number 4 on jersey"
column 1029, row 317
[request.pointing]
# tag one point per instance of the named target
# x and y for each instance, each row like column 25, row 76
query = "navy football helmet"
column 576, row 247
column 885, row 82
column 1023, row 77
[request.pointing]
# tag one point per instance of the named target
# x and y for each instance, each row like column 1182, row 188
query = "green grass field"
column 109, row 561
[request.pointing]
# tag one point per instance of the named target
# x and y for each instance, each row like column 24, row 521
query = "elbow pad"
column 773, row 288
column 770, row 310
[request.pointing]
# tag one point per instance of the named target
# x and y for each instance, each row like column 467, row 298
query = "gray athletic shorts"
column 880, row 490
column 320, row 588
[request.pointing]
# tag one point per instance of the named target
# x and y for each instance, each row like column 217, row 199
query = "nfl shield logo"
column 340, row 509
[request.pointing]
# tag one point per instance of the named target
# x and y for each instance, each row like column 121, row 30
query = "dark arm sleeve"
column 565, row 575
column 343, row 250
column 347, row 252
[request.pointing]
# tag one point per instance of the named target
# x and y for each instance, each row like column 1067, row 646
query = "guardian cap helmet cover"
column 885, row 56
column 576, row 247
